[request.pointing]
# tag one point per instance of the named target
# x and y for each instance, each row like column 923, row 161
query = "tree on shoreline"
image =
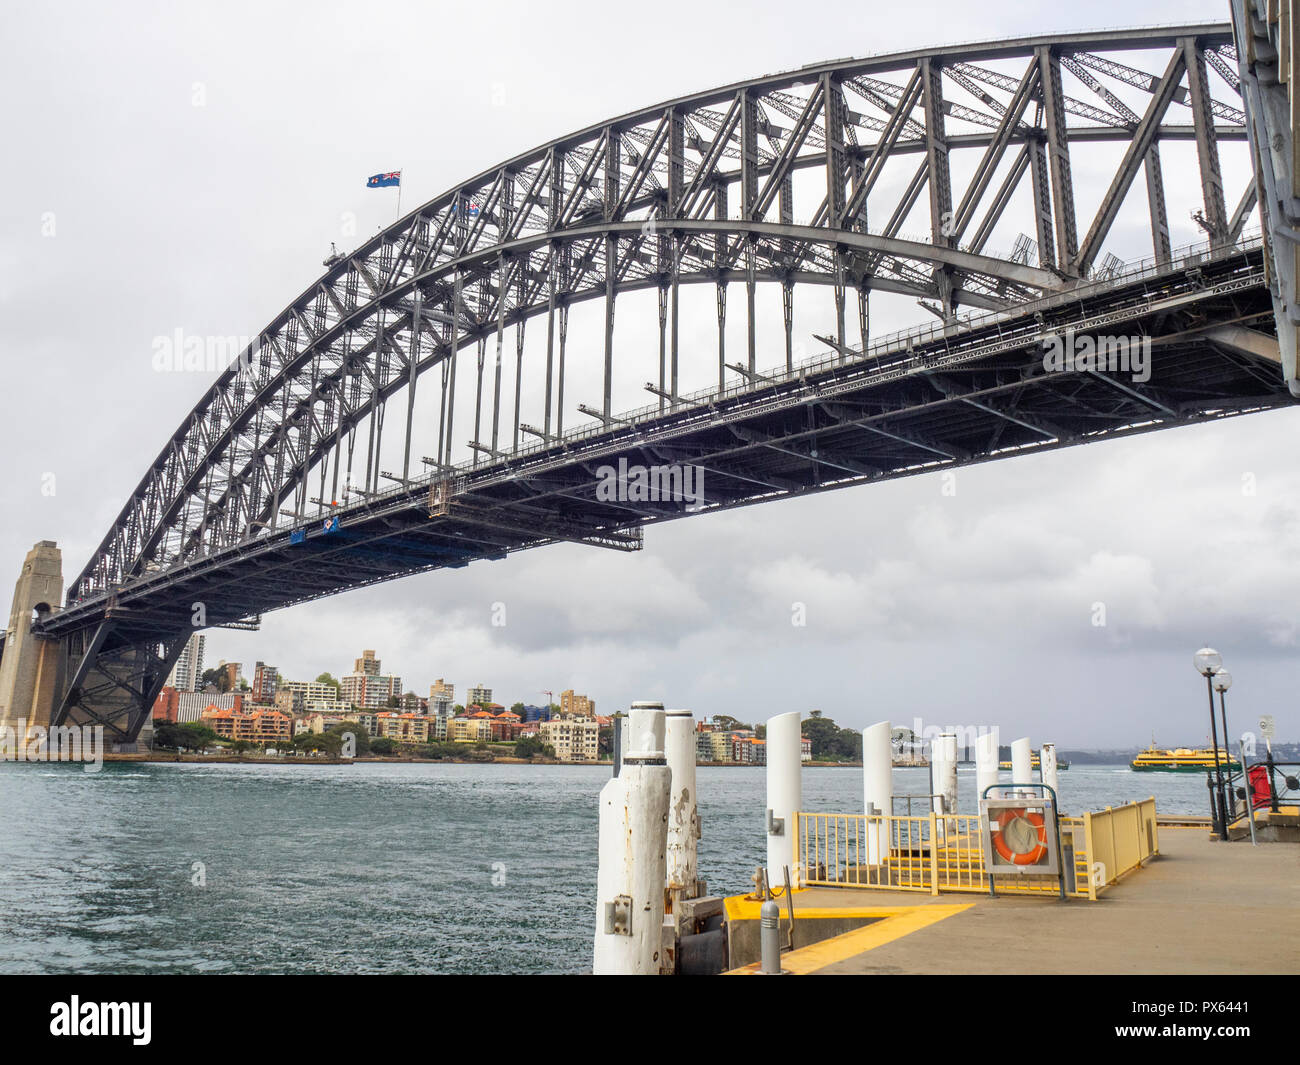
column 830, row 743
column 191, row 736
column 528, row 746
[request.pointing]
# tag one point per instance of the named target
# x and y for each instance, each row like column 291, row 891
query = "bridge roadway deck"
column 1199, row 907
column 978, row 392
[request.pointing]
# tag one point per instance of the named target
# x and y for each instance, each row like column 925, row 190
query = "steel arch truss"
column 773, row 181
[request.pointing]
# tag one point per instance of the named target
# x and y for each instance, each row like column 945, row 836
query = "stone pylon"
column 32, row 667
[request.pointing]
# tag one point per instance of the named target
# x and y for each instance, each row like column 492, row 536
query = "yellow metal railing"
column 1119, row 840
column 934, row 853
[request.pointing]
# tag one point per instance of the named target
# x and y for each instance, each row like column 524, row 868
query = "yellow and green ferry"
column 1181, row 760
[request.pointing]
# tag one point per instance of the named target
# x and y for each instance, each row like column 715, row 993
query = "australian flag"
column 384, row 181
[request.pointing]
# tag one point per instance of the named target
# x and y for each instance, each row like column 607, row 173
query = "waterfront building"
column 366, row 687
column 506, row 726
column 577, row 705
column 180, row 708
column 537, row 713
column 313, row 695
column 368, row 721
column 439, row 688
column 289, row 701
column 266, row 680
column 188, row 671
column 166, row 706
column 404, row 728
column 313, row 723
column 256, row 726
column 478, row 696
column 805, row 749
column 574, row 739
column 230, row 670
column 742, row 747
column 322, row 722
column 470, row 729
column 719, row 746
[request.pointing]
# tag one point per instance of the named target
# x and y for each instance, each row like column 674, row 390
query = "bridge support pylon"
column 32, row 667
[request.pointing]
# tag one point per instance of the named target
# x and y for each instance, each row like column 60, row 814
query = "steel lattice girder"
column 641, row 202
column 971, row 396
column 117, row 671
column 1267, row 38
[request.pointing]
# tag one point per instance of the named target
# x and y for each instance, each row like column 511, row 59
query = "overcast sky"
column 186, row 166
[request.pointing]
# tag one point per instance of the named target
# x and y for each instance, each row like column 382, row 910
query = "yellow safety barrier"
column 1119, row 839
column 935, row 853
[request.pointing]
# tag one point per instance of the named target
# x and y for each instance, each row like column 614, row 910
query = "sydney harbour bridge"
column 425, row 402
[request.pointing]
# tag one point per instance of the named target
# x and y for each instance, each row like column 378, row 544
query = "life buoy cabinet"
column 1028, row 837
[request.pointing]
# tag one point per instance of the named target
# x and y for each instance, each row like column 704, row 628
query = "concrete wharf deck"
column 1201, row 906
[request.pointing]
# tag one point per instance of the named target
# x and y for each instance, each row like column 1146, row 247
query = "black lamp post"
column 1221, row 681
column 1207, row 662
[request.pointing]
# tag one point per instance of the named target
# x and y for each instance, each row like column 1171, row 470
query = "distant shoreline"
column 225, row 759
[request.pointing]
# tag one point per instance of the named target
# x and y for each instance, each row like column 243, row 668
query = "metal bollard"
column 770, row 937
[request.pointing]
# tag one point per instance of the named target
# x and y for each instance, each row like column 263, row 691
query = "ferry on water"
column 1061, row 763
column 1182, row 760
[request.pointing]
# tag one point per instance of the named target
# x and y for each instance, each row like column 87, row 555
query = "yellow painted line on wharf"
column 895, row 922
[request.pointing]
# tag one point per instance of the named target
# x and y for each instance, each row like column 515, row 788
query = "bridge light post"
column 1207, row 662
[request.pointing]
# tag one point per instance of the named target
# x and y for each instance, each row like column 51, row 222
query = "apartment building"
column 266, row 681
column 289, row 701
column 470, row 729
column 574, row 739
column 370, row 690
column 314, row 696
column 256, row 726
column 748, row 750
column 188, row 671
column 577, row 705
column 404, row 728
column 231, row 673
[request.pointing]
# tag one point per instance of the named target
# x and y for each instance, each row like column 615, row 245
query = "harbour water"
column 369, row 868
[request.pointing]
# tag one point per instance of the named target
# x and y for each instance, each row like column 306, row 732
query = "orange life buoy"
column 1033, row 854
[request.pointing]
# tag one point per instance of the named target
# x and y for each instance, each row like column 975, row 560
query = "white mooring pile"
column 649, row 822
